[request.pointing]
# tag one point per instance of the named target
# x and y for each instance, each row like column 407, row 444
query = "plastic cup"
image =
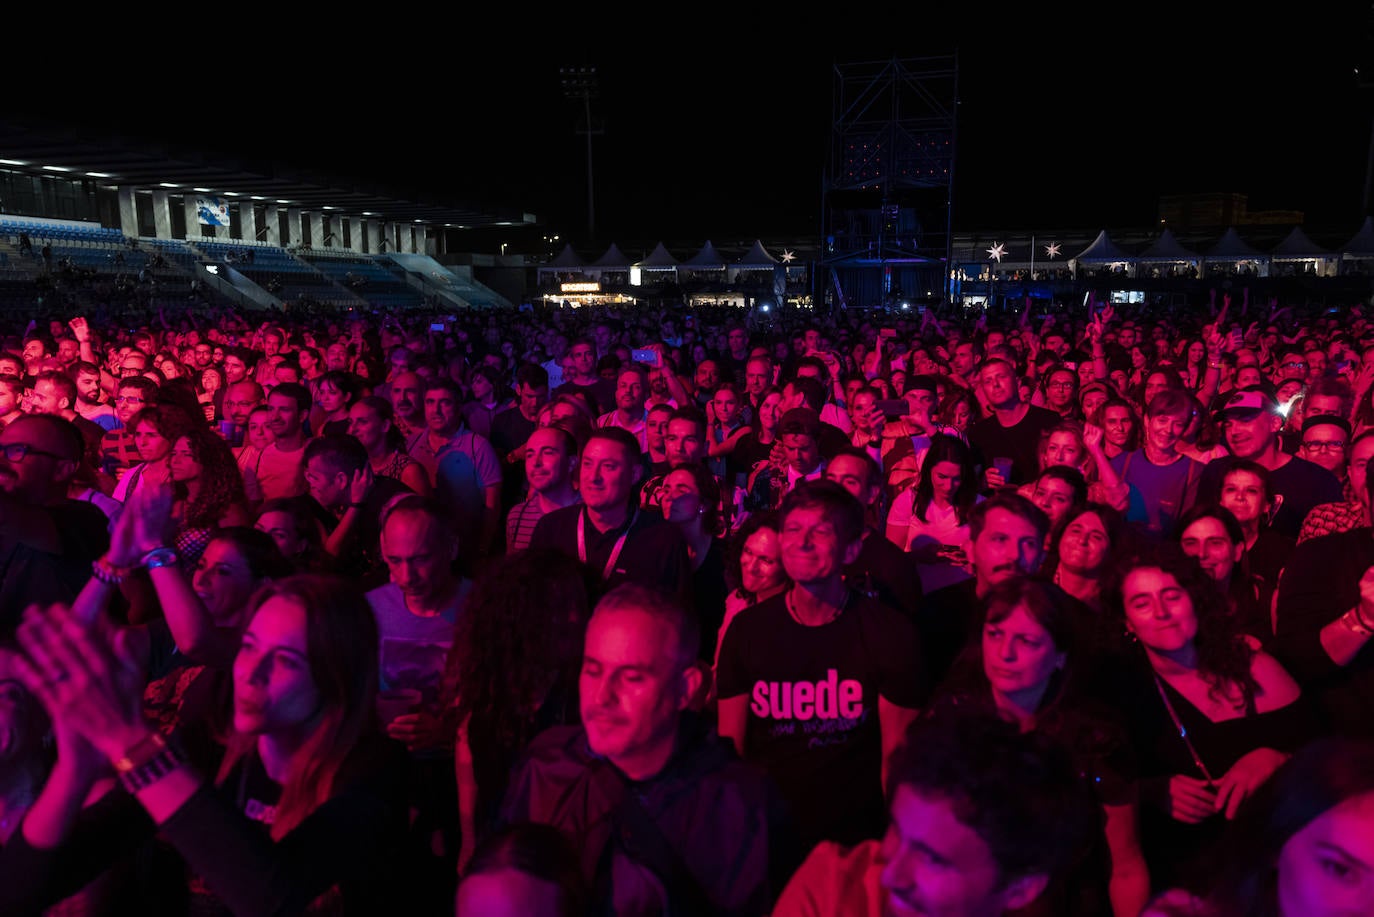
column 1003, row 466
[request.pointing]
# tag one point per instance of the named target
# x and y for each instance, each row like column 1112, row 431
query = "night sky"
column 1069, row 117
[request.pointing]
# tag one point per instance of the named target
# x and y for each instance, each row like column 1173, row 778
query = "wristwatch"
column 160, row 557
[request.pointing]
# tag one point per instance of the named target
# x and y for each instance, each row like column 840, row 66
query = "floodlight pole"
column 581, row 83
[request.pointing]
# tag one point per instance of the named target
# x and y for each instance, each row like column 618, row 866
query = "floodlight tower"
column 581, row 83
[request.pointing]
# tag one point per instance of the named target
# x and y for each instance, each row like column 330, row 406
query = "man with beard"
column 1007, row 534
column 47, row 541
column 407, row 406
column 279, row 468
column 90, row 398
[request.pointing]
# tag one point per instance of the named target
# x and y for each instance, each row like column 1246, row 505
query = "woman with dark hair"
column 307, row 807
column 1214, row 536
column 298, row 527
column 1120, row 423
column 528, row 869
column 511, row 673
column 210, row 391
column 370, row 423
column 960, row 410
column 1083, row 550
column 1212, row 714
column 334, row 393
column 155, row 429
column 208, row 488
column 930, row 520
column 1024, row 670
column 756, row 568
column 690, row 498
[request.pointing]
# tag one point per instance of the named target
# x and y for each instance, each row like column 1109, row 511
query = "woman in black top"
column 1212, row 715
column 1024, row 668
column 307, row 806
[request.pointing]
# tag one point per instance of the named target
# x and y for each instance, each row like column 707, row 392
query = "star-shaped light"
column 787, row 257
column 1052, row 249
column 997, row 251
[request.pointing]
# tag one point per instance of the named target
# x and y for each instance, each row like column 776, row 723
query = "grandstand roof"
column 127, row 162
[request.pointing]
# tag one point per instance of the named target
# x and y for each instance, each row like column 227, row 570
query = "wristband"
column 1356, row 623
column 166, row 758
column 106, row 573
column 159, row 557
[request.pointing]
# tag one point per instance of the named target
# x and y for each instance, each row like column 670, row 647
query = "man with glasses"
column 1251, row 422
column 117, row 450
column 1325, row 439
column 47, row 541
column 1352, row 512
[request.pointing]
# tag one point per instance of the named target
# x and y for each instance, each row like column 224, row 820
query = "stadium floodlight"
column 56, row 169
column 167, row 184
column 12, row 162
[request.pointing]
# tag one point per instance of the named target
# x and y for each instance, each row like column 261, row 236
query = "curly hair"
column 519, row 637
column 1223, row 654
column 221, row 482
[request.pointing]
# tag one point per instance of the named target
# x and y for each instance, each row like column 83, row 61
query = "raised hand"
column 361, row 485
column 80, row 328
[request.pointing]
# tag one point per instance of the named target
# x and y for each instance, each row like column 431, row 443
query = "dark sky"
column 719, row 129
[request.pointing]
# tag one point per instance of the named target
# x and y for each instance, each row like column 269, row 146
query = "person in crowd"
column 1211, row 715
column 1057, row 490
column 298, row 527
column 47, row 540
column 1323, row 619
column 631, row 392
column 597, row 392
column 930, row 519
column 821, row 651
column 690, row 499
column 1082, row 554
column 334, row 392
column 154, row 429
column 1007, row 538
column 208, row 489
column 756, row 565
column 881, row 571
column 642, row 761
column 339, row 478
column 1211, row 534
column 1165, row 480
column 608, row 532
column 982, row 818
column 798, row 459
column 1245, row 492
column 118, row 451
column 369, row 422
column 302, row 746
column 528, row 869
column 279, row 468
column 463, row 466
column 512, row 428
column 550, row 459
column 240, row 399
column 1012, row 432
column 1025, row 668
column 406, row 394
column 489, row 395
column 1352, row 511
column 1251, row 422
column 512, row 673
column 1300, row 847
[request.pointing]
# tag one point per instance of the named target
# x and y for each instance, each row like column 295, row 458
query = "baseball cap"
column 1248, row 401
column 800, row 420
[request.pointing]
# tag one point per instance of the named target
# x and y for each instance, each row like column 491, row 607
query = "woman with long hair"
column 1212, row 534
column 960, row 409
column 1212, row 714
column 209, row 383
column 512, row 672
column 756, row 566
column 208, row 487
column 930, row 519
column 1023, row 668
column 1082, row 552
column 1120, row 424
column 370, row 423
column 690, row 499
column 307, row 806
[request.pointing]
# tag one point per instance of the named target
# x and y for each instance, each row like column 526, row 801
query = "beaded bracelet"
column 106, row 573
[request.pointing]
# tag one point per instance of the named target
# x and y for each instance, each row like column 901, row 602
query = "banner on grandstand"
column 212, row 211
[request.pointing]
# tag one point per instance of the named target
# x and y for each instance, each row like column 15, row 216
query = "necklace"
column 835, row 613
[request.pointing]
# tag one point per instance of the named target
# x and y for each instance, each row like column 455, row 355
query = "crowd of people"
column 623, row 611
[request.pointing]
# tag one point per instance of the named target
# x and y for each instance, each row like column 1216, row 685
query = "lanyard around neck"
column 615, row 549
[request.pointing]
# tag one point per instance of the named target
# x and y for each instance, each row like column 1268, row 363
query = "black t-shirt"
column 947, row 620
column 884, row 572
column 813, row 706
column 1301, row 485
column 747, row 453
column 653, row 552
column 1020, row 443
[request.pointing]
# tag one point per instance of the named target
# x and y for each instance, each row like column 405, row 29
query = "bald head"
column 240, row 399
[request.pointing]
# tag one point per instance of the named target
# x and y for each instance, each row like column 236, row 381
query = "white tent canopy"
column 708, row 259
column 1167, row 248
column 1103, row 251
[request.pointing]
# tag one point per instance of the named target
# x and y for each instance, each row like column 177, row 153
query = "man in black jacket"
column 662, row 809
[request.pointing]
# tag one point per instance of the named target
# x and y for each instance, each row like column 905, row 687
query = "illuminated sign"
column 580, row 287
